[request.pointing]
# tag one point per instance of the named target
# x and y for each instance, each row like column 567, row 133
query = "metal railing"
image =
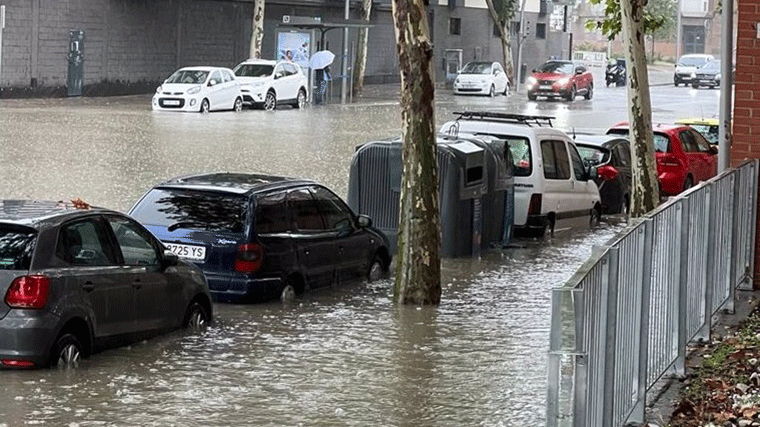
column 624, row 319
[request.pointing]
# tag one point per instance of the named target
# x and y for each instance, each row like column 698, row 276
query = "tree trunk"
column 360, row 67
column 418, row 274
column 645, row 193
column 257, row 34
column 506, row 43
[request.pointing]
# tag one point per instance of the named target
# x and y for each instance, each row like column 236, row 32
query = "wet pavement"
column 342, row 356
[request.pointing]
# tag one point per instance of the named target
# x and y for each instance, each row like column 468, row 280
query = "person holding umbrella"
column 320, row 63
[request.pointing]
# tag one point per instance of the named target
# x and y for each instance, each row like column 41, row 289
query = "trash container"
column 75, row 77
column 472, row 180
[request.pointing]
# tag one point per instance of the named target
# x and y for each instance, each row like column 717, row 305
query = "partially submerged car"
column 201, row 89
column 611, row 156
column 267, row 83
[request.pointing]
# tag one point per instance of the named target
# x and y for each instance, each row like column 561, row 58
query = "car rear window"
column 661, row 141
column 191, row 209
column 253, row 70
column 16, row 247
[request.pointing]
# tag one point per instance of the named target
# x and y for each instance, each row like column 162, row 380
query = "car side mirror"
column 170, row 259
column 364, row 221
column 579, row 71
column 592, row 172
column 212, row 83
column 713, row 150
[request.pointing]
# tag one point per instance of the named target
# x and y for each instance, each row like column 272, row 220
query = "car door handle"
column 88, row 286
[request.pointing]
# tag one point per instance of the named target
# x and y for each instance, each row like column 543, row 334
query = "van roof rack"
column 522, row 119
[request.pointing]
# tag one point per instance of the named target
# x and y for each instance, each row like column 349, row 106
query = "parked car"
column 611, row 156
column 259, row 237
column 267, row 83
column 553, row 188
column 560, row 79
column 201, row 89
column 707, row 75
column 77, row 279
column 684, row 157
column 709, row 128
column 686, row 67
column 481, row 78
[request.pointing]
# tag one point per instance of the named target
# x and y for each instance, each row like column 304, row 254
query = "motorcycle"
column 615, row 73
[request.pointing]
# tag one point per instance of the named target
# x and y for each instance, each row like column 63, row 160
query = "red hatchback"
column 684, row 157
column 560, row 79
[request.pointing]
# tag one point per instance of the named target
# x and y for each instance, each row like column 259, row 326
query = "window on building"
column 540, row 31
column 455, row 26
column 514, row 29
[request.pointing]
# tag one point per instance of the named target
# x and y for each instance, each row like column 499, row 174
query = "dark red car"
column 684, row 157
column 563, row 79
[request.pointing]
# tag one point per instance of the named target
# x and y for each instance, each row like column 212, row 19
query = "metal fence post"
column 638, row 412
column 703, row 334
column 610, row 280
column 729, row 306
column 683, row 287
column 755, row 185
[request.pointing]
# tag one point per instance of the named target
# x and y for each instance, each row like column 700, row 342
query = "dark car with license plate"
column 261, row 237
column 610, row 155
column 77, row 279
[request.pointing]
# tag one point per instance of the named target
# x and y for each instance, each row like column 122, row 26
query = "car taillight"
column 249, row 258
column 607, row 172
column 670, row 160
column 16, row 363
column 28, row 292
column 534, row 208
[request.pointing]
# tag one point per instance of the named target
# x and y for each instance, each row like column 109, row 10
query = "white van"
column 553, row 188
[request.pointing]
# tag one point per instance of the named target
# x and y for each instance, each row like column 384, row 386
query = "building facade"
column 129, row 46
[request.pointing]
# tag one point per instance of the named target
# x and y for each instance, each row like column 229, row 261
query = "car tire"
column 67, row 351
column 492, row 91
column 196, row 317
column 590, row 92
column 376, row 269
column 675, row 82
column 506, row 89
column 688, row 183
column 205, row 106
column 695, row 85
column 288, row 293
column 270, row 101
column 595, row 217
column 238, row 105
column 531, row 97
column 571, row 94
column 300, row 99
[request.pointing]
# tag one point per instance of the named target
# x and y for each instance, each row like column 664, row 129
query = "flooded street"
column 346, row 356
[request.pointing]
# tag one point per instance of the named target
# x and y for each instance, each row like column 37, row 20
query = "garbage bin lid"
column 466, row 147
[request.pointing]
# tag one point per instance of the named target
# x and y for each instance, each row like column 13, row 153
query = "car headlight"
column 193, row 90
column 532, row 80
column 258, row 84
column 717, row 77
column 158, row 89
column 563, row 82
column 456, row 82
column 693, row 75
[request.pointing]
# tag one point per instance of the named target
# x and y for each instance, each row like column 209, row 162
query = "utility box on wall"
column 75, row 78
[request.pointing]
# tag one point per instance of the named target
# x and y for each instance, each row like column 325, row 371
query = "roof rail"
column 522, row 119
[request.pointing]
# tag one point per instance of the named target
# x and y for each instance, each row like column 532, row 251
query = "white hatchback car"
column 201, row 89
column 553, row 188
column 687, row 65
column 481, row 78
column 267, row 83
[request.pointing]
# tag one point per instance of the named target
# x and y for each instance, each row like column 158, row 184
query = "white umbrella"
column 321, row 59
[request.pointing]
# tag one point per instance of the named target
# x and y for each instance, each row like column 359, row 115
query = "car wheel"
column 67, row 352
column 596, row 216
column 205, row 106
column 492, row 91
column 196, row 317
column 238, row 106
column 376, row 269
column 270, row 102
column 531, row 97
column 571, row 94
column 590, row 92
column 688, row 183
column 695, row 85
column 506, row 89
column 288, row 293
column 675, row 82
column 300, row 99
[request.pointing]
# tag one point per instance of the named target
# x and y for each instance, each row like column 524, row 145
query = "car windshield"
column 187, row 209
column 253, row 70
column 188, row 77
column 556, row 67
column 711, row 66
column 16, row 246
column 709, row 132
column 592, row 155
column 477, row 68
column 661, row 141
column 692, row 61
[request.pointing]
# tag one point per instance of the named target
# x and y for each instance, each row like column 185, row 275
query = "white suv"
column 553, row 188
column 267, row 83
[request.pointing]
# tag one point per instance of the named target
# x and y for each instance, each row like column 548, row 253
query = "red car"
column 560, row 79
column 684, row 157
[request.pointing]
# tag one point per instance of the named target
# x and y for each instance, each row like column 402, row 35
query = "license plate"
column 195, row 253
column 545, row 87
column 171, row 102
